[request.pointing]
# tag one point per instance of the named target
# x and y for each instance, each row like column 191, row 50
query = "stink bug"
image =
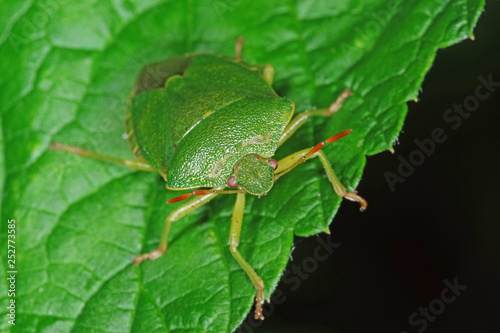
column 213, row 123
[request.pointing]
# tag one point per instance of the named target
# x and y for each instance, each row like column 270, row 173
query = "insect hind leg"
column 239, row 48
column 130, row 163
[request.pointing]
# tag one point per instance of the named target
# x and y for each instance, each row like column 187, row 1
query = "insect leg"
column 174, row 216
column 268, row 74
column 291, row 161
column 301, row 118
column 131, row 163
column 234, row 239
column 239, row 47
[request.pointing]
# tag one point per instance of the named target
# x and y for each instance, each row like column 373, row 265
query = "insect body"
column 209, row 121
column 211, row 113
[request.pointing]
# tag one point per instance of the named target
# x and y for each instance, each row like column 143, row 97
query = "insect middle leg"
column 291, row 161
column 171, row 218
column 234, row 239
column 302, row 117
column 131, row 163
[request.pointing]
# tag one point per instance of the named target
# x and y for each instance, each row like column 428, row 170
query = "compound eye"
column 231, row 182
column 273, row 163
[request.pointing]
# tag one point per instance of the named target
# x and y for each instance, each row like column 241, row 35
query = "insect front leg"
column 302, row 117
column 291, row 161
column 234, row 239
column 131, row 163
column 267, row 70
column 174, row 216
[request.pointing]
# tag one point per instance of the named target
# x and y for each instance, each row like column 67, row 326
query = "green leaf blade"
column 81, row 222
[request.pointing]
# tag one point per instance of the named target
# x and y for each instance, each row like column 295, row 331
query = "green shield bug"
column 213, row 123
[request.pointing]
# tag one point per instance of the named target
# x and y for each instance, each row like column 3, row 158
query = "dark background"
column 442, row 223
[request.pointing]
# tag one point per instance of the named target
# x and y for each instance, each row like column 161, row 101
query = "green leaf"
column 67, row 69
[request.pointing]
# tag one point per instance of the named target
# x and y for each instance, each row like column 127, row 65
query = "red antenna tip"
column 338, row 136
column 179, row 198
